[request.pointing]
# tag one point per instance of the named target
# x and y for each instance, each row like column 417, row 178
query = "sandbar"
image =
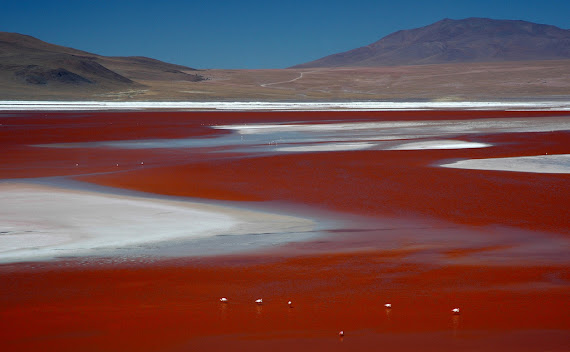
column 546, row 164
column 439, row 144
column 41, row 222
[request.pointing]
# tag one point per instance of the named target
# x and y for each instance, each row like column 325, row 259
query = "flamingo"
column 223, row 300
column 455, row 310
column 388, row 305
column 341, row 333
column 259, row 301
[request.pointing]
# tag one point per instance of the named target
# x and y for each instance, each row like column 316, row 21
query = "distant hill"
column 458, row 41
column 31, row 69
column 29, row 63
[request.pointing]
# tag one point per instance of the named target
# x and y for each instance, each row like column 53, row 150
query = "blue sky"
column 246, row 33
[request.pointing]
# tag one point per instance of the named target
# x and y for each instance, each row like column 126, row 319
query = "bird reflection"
column 223, row 309
column 455, row 322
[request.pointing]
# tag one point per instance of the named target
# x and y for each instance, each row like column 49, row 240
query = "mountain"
column 29, row 63
column 456, row 41
column 31, row 69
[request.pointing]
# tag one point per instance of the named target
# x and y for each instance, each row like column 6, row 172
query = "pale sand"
column 424, row 145
column 326, row 147
column 39, row 222
column 410, row 129
column 439, row 144
column 550, row 164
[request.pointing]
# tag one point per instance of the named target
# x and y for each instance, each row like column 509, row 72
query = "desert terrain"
column 545, row 80
column 451, row 82
column 473, row 59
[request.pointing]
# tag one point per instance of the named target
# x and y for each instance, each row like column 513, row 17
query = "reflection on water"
column 223, row 310
column 455, row 324
column 258, row 310
column 389, row 314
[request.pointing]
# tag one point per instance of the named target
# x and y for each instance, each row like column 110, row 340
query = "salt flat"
column 317, row 137
column 39, row 222
column 439, row 144
column 547, row 164
column 276, row 106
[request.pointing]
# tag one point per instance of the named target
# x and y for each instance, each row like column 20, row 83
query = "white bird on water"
column 341, row 333
column 290, row 304
column 223, row 300
column 455, row 310
column 259, row 301
column 388, row 305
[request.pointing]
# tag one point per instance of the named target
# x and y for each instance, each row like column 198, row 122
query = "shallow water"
column 334, row 136
column 390, row 226
column 378, row 169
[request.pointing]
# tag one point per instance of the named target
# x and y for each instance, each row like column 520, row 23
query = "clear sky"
column 247, row 33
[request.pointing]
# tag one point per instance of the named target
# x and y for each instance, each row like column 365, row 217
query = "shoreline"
column 543, row 105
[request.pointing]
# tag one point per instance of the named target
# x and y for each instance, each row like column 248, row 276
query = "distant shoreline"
column 549, row 105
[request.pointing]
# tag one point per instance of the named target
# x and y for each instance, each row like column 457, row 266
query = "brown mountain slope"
column 34, row 70
column 28, row 65
column 467, row 40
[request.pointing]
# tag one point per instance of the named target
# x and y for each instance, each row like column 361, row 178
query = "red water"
column 174, row 305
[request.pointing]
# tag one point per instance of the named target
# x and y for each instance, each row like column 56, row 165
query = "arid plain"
column 451, row 82
column 518, row 80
